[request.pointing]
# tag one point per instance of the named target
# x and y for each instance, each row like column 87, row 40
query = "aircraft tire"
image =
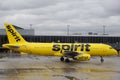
column 62, row 59
column 102, row 60
column 67, row 60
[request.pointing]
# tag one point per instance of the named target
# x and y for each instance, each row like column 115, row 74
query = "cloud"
column 52, row 16
column 25, row 4
column 111, row 6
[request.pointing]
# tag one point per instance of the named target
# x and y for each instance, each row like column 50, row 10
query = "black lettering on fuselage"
column 66, row 47
column 82, row 47
column 76, row 47
column 72, row 47
column 56, row 47
column 87, row 47
column 13, row 33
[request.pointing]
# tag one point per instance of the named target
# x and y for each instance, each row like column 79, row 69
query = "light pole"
column 31, row 26
column 68, row 26
column 104, row 29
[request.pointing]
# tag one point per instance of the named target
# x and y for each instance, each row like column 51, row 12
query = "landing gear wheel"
column 62, row 59
column 67, row 60
column 102, row 60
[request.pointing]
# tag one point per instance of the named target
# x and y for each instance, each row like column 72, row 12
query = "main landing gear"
column 66, row 60
column 102, row 60
column 62, row 59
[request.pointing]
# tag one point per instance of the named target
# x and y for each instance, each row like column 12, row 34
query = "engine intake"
column 82, row 57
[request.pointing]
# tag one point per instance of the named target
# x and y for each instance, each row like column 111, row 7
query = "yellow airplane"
column 76, row 51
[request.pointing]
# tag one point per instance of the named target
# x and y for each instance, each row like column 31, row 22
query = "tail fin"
column 13, row 35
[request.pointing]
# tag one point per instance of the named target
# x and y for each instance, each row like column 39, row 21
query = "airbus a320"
column 76, row 51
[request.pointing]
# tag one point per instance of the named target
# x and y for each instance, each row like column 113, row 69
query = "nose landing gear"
column 62, row 59
column 102, row 60
column 67, row 60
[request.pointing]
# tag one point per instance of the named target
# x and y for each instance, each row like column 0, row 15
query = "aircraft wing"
column 70, row 53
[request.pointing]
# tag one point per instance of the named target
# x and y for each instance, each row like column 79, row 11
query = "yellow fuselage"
column 56, row 49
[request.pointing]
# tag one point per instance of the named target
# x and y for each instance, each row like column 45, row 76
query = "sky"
column 55, row 17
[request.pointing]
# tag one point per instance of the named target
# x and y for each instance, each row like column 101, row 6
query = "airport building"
column 29, row 35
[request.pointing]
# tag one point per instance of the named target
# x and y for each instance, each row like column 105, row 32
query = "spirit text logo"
column 72, row 47
column 17, row 38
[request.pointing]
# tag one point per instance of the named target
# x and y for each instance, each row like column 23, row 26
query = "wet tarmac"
column 50, row 68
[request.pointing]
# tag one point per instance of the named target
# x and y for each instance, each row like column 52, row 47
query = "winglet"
column 14, row 37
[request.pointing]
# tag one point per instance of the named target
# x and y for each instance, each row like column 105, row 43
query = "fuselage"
column 56, row 49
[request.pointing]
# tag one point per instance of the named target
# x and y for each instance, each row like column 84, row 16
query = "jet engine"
column 82, row 57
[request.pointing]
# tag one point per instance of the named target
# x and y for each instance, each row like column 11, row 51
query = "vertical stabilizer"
column 14, row 37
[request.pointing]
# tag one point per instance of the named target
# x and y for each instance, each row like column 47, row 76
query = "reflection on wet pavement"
column 45, row 73
column 30, row 69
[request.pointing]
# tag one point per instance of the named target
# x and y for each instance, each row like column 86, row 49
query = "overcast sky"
column 51, row 17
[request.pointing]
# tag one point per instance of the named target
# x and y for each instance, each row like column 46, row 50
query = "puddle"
column 7, row 71
column 55, row 73
column 67, row 70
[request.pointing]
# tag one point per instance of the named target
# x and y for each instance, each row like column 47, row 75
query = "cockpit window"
column 111, row 48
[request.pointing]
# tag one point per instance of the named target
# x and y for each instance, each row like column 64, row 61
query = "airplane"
column 76, row 51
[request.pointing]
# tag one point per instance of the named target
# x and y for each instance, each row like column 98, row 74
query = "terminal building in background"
column 29, row 35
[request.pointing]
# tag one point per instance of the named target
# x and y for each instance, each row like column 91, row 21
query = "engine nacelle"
column 82, row 57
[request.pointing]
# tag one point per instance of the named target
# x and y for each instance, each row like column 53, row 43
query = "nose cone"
column 114, row 52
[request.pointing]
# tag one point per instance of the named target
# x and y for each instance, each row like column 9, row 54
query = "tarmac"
column 51, row 68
